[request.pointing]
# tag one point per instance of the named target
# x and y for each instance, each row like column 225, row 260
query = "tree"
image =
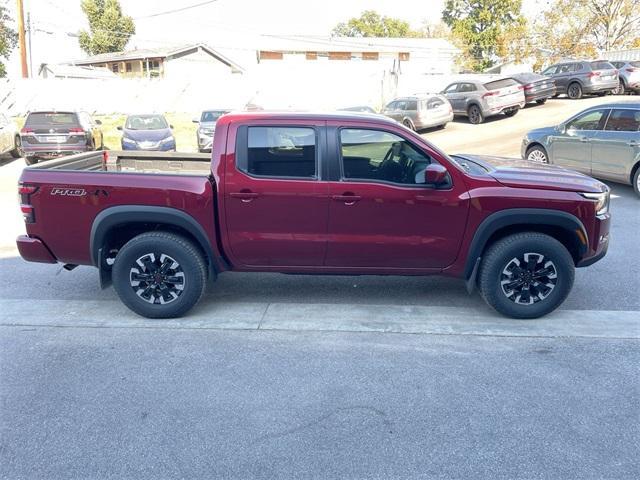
column 371, row 24
column 615, row 24
column 479, row 28
column 109, row 29
column 8, row 39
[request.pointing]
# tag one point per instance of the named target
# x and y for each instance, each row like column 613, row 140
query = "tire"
column 409, row 124
column 144, row 256
column 475, row 115
column 17, row 151
column 620, row 89
column 548, row 275
column 636, row 181
column 541, row 101
column 574, row 91
column 537, row 154
column 511, row 112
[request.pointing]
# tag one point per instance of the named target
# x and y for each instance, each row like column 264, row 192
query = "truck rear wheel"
column 159, row 275
column 526, row 275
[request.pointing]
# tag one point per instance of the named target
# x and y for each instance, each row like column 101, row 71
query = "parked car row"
column 602, row 141
column 149, row 132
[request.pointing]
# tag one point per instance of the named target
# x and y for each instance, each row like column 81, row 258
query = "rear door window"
column 278, row 152
column 412, row 105
column 623, row 121
column 592, row 120
column 551, row 70
column 453, row 88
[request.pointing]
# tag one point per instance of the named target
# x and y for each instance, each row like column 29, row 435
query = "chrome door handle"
column 585, row 139
column 244, row 196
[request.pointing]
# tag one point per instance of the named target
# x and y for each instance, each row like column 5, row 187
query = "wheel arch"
column 115, row 226
column 562, row 226
column 536, row 143
column 634, row 169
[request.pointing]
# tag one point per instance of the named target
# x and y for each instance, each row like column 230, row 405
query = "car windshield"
column 146, row 122
column 212, row 115
column 52, row 118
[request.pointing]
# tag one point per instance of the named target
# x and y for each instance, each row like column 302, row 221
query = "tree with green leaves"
column 480, row 27
column 8, row 39
column 109, row 29
column 371, row 24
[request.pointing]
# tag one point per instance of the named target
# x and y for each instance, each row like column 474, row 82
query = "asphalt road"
column 155, row 404
column 276, row 376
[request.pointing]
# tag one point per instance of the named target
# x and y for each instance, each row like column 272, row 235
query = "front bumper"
column 34, row 250
column 166, row 147
column 600, row 243
column 205, row 142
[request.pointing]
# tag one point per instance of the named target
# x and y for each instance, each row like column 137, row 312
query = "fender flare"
column 121, row 215
column 519, row 216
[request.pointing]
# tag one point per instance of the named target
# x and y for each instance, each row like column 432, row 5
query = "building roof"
column 294, row 43
column 74, row 71
column 163, row 52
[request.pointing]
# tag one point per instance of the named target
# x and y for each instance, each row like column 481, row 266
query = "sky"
column 222, row 23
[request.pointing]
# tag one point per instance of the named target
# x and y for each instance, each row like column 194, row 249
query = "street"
column 277, row 376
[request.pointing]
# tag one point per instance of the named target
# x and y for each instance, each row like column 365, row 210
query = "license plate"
column 53, row 139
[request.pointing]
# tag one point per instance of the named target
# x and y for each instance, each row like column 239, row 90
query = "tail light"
column 522, row 87
column 26, row 131
column 105, row 159
column 490, row 94
column 25, row 192
column 528, row 87
column 632, row 69
column 76, row 130
column 593, row 74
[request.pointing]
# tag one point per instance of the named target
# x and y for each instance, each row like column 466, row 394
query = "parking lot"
column 271, row 369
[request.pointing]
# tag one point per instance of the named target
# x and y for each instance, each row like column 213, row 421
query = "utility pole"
column 22, row 41
column 29, row 43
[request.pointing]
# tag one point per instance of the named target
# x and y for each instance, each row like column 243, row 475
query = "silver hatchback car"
column 602, row 141
column 420, row 111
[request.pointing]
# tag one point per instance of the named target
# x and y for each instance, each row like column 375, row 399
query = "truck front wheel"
column 526, row 275
column 159, row 275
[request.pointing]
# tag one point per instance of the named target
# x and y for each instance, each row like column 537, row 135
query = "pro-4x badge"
column 78, row 192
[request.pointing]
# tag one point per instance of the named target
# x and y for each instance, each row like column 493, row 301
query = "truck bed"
column 113, row 161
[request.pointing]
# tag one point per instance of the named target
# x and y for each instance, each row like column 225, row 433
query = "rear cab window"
column 278, row 152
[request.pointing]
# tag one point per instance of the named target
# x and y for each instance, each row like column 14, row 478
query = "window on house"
column 115, row 67
column 129, row 67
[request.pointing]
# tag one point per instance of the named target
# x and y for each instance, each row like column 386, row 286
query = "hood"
column 541, row 132
column 147, row 135
column 513, row 172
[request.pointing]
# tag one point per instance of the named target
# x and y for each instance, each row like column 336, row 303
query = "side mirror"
column 119, row 127
column 562, row 128
column 171, row 127
column 195, row 120
column 98, row 122
column 434, row 174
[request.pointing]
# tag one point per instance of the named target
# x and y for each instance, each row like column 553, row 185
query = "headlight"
column 601, row 199
column 167, row 140
column 128, row 140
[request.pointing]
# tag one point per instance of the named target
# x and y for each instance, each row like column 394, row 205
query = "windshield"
column 146, row 122
column 52, row 118
column 212, row 115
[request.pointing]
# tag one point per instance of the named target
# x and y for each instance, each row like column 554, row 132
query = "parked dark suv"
column 576, row 78
column 50, row 134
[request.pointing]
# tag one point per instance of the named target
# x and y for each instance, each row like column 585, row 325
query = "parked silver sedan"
column 9, row 137
column 602, row 141
column 420, row 111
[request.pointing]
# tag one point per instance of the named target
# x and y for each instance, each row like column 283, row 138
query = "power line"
column 182, row 9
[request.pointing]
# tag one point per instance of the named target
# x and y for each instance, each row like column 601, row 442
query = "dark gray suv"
column 576, row 78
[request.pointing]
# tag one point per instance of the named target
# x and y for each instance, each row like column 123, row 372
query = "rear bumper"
column 435, row 121
column 34, row 250
column 540, row 94
column 52, row 151
column 600, row 87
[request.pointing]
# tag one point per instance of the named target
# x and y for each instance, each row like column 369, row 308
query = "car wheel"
column 537, row 154
column 159, row 275
column 17, row 151
column 541, row 101
column 409, row 124
column 526, row 275
column 574, row 92
column 636, row 181
column 475, row 115
column 511, row 112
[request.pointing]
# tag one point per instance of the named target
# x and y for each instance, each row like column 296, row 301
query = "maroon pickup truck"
column 309, row 193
